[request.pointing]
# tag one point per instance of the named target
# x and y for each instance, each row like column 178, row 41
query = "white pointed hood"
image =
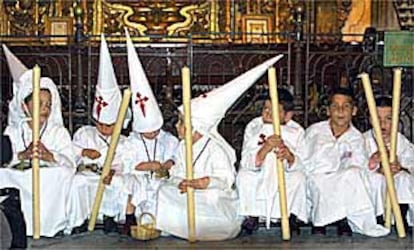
column 17, row 69
column 147, row 116
column 107, row 95
column 208, row 109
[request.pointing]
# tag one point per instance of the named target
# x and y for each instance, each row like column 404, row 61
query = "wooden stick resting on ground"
column 35, row 160
column 109, row 157
column 188, row 152
column 280, row 169
column 396, row 96
column 383, row 152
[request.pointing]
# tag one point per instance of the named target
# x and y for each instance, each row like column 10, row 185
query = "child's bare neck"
column 337, row 131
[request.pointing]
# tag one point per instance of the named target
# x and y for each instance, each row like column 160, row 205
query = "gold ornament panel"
column 201, row 21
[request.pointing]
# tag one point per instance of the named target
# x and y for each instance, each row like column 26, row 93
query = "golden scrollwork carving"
column 203, row 21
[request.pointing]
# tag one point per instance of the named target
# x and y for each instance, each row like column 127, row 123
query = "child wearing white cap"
column 151, row 148
column 54, row 150
column 91, row 144
column 216, row 199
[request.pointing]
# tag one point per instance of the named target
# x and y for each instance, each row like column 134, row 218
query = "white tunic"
column 55, row 179
column 338, row 187
column 215, row 207
column 85, row 183
column 403, row 181
column 258, row 186
column 143, row 185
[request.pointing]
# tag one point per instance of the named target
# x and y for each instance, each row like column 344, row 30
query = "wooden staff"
column 396, row 96
column 280, row 170
column 383, row 153
column 35, row 160
column 109, row 157
column 188, row 152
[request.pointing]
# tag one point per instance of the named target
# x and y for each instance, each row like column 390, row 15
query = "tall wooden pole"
column 109, row 157
column 396, row 97
column 383, row 152
column 35, row 160
column 188, row 152
column 280, row 169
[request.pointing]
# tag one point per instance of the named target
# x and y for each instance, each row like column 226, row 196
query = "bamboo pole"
column 396, row 96
column 35, row 160
column 280, row 169
column 383, row 153
column 109, row 157
column 188, row 152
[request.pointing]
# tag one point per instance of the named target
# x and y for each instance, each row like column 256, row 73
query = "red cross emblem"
column 141, row 102
column 262, row 139
column 100, row 105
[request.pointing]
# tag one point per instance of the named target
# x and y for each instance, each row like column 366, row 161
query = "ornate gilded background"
column 203, row 21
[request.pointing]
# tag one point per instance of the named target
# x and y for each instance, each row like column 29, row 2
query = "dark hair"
column 28, row 98
column 383, row 101
column 285, row 99
column 342, row 91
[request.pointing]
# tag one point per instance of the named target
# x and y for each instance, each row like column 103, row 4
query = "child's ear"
column 354, row 111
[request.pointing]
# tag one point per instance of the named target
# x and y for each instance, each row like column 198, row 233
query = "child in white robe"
column 151, row 149
column 335, row 157
column 54, row 151
column 402, row 169
column 91, row 144
column 216, row 199
column 257, row 177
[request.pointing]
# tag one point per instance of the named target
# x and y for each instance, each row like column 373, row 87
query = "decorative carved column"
column 78, row 12
column 299, row 15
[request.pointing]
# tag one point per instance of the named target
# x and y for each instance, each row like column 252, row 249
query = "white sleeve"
column 359, row 154
column 406, row 155
column 79, row 143
column 63, row 150
column 249, row 150
column 297, row 152
column 171, row 147
column 223, row 175
column 12, row 133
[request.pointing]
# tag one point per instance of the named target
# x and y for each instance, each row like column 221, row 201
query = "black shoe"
column 81, row 229
column 250, row 224
column 294, row 225
column 318, row 230
column 130, row 220
column 110, row 226
column 343, row 228
column 380, row 220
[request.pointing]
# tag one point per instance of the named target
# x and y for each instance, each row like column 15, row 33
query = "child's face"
column 151, row 135
column 180, row 126
column 385, row 119
column 267, row 112
column 105, row 129
column 341, row 110
column 45, row 106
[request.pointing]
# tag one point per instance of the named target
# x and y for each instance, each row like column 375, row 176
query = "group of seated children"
column 333, row 172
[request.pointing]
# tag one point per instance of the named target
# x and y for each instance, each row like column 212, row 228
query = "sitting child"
column 54, row 151
column 91, row 144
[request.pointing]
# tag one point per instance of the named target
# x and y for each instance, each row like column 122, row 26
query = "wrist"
column 291, row 160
